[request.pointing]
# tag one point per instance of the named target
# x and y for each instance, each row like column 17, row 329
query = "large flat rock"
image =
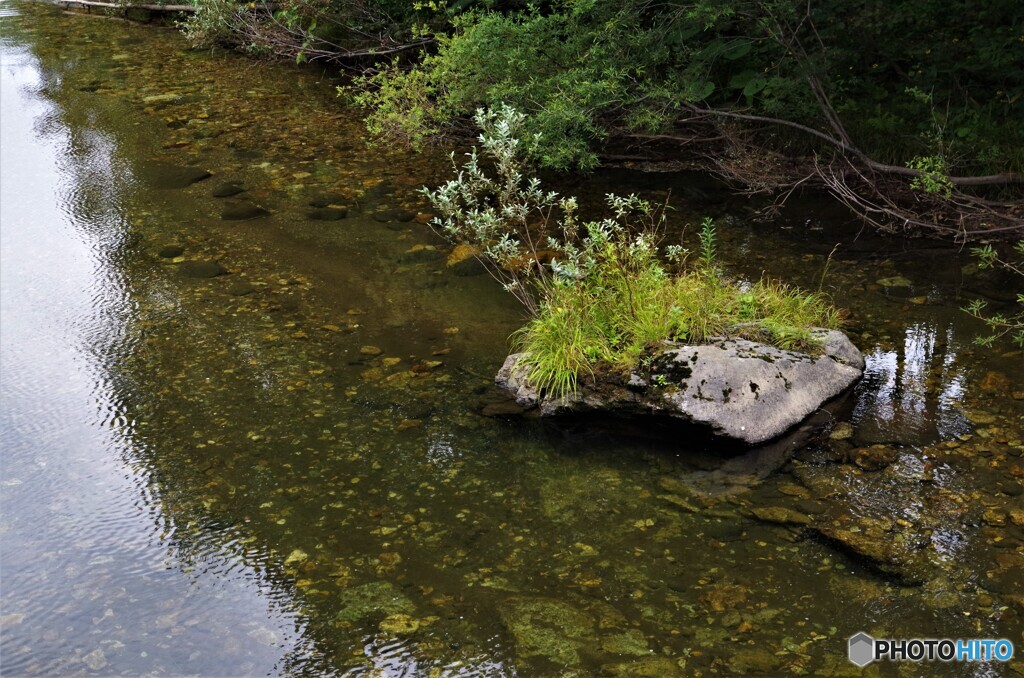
column 741, row 389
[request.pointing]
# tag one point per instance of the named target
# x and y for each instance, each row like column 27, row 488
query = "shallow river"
column 246, row 434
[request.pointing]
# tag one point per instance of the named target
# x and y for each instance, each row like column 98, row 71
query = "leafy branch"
column 999, row 324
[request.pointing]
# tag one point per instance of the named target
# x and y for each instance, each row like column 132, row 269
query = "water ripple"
column 88, row 537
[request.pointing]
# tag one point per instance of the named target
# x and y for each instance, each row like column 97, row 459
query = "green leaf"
column 701, row 91
column 754, row 86
column 738, row 51
column 680, row 36
column 740, row 80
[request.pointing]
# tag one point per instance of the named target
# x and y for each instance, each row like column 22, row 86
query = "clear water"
column 213, row 476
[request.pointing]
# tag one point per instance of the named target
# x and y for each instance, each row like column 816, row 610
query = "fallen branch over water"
column 88, row 4
column 878, row 193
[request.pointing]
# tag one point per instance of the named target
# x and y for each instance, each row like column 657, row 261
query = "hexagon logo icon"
column 862, row 649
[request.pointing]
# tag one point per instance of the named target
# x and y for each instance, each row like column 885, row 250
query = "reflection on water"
column 84, row 539
column 257, row 446
column 913, row 395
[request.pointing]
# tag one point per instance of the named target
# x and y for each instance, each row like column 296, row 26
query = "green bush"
column 601, row 294
column 570, row 69
column 215, row 22
column 950, row 90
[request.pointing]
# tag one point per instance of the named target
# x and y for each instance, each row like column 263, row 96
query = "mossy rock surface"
column 376, row 600
column 548, row 628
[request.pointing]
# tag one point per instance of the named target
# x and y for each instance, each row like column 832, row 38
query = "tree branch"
column 991, row 179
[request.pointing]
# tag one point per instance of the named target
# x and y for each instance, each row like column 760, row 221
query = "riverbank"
column 901, row 164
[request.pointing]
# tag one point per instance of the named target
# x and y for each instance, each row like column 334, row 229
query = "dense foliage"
column 911, row 112
column 601, row 294
column 914, row 81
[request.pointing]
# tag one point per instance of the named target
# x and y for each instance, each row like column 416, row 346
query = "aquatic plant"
column 601, row 294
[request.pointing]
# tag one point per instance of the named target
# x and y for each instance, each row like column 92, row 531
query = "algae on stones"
column 548, row 628
column 376, row 599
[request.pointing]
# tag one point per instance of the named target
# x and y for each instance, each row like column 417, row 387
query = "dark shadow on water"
column 710, row 464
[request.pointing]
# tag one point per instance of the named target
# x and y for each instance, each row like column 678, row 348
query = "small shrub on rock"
column 602, row 295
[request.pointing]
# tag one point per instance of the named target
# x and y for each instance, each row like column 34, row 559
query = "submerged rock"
column 169, row 98
column 875, row 457
column 201, row 269
column 631, row 642
column 421, row 254
column 756, row 661
column 548, row 628
column 722, row 597
column 780, row 515
column 243, row 212
column 578, row 497
column 227, row 189
column 171, row 251
column 296, row 557
column 327, row 200
column 502, row 408
column 394, row 215
column 374, row 600
column 327, row 213
column 241, row 289
column 465, row 261
column 894, row 282
column 95, row 660
column 892, row 553
column 164, row 176
column 996, row 382
column 741, row 389
column 842, row 431
column 648, row 667
column 401, row 624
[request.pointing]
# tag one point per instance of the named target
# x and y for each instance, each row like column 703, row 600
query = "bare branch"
column 992, row 179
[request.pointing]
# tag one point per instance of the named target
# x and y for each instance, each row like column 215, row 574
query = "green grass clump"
column 628, row 303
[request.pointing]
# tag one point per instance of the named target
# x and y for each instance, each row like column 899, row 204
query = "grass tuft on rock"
column 612, row 319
